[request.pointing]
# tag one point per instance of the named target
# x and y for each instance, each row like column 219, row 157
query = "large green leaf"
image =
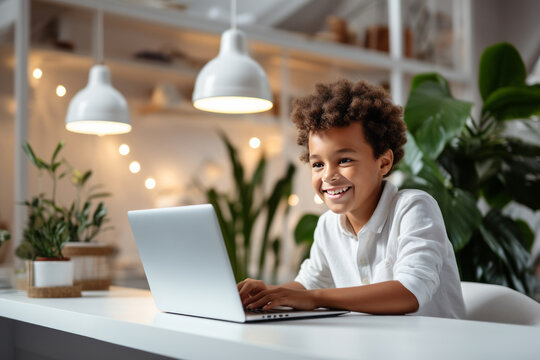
column 412, row 160
column 38, row 162
column 500, row 66
column 513, row 102
column 434, row 117
column 461, row 167
column 282, row 190
column 305, row 230
column 431, row 77
column 505, row 238
column 57, row 150
column 511, row 171
column 458, row 207
column 522, row 180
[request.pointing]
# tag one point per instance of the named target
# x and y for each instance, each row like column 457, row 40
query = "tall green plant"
column 238, row 210
column 463, row 161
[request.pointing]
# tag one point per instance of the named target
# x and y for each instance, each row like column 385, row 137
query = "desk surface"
column 128, row 317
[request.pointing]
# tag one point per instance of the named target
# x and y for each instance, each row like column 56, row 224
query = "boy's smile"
column 345, row 173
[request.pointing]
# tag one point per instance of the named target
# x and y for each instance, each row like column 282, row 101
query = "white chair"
column 495, row 303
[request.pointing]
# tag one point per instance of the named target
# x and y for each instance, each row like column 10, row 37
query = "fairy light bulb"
column 134, row 167
column 254, row 142
column 37, row 73
column 123, row 149
column 150, row 183
column 60, row 90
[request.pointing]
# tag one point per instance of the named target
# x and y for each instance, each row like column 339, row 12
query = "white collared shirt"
column 404, row 240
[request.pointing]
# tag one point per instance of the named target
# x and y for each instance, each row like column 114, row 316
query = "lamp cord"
column 233, row 14
column 99, row 33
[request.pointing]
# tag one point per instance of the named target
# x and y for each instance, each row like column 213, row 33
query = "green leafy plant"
column 50, row 224
column 464, row 162
column 237, row 212
column 4, row 236
column 83, row 223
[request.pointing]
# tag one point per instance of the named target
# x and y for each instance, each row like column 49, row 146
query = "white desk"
column 128, row 317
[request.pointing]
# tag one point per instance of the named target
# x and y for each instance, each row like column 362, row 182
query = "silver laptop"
column 188, row 269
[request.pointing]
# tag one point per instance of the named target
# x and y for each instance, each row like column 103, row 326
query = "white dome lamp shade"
column 232, row 83
column 99, row 108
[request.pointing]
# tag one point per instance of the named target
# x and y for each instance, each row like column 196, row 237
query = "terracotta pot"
column 53, row 272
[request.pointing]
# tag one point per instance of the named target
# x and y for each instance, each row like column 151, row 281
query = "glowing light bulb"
column 254, row 142
column 317, row 199
column 150, row 183
column 134, row 167
column 123, row 149
column 60, row 90
column 293, row 200
column 37, row 73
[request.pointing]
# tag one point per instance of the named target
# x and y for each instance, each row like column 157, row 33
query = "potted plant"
column 51, row 226
column 43, row 238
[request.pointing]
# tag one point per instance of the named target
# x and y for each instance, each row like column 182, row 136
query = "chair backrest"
column 495, row 303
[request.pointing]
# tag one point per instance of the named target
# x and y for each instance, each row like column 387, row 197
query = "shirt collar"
column 377, row 220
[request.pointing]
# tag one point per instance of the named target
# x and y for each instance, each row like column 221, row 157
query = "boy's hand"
column 280, row 296
column 249, row 288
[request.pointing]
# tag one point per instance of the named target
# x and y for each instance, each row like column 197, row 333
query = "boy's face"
column 344, row 172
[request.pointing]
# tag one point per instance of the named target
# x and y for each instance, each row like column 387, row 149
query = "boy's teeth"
column 335, row 192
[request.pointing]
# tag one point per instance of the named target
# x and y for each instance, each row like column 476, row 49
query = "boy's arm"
column 389, row 297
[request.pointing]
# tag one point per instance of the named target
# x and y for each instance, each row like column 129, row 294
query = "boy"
column 376, row 250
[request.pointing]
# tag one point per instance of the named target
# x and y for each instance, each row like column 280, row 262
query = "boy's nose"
column 330, row 175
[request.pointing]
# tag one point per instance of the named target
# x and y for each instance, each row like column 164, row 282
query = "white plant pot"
column 48, row 273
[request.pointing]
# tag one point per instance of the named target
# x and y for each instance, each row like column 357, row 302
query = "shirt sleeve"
column 421, row 248
column 314, row 272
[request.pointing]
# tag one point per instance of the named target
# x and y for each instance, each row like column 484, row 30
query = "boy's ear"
column 386, row 160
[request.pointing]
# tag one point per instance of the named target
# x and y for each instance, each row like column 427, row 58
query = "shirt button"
column 365, row 281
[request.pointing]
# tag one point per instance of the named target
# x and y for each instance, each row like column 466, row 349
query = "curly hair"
column 343, row 102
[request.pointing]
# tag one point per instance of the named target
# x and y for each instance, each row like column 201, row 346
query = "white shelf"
column 285, row 41
column 145, row 69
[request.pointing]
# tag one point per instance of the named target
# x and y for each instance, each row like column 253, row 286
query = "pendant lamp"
column 99, row 108
column 232, row 83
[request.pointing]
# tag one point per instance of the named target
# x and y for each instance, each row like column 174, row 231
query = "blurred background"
column 174, row 153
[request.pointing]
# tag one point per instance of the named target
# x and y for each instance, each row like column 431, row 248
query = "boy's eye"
column 317, row 165
column 345, row 161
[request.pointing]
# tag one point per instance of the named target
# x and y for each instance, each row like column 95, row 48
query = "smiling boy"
column 377, row 250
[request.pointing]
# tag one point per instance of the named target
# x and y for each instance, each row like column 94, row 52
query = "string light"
column 60, row 90
column 37, row 73
column 123, row 149
column 293, row 200
column 134, row 167
column 150, row 183
column 254, row 142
